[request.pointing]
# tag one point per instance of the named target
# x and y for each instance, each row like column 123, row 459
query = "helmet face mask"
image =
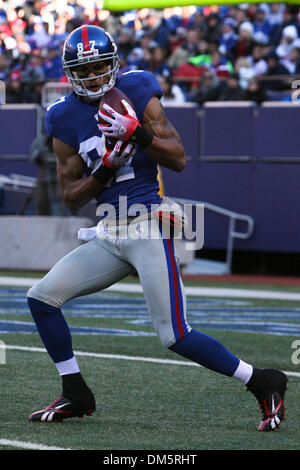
column 90, row 49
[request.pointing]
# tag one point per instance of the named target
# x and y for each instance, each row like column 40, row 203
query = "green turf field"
column 145, row 405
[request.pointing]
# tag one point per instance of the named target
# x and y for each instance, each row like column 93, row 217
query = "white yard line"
column 28, row 445
column 216, row 292
column 222, row 292
column 10, row 281
column 104, row 356
column 119, row 357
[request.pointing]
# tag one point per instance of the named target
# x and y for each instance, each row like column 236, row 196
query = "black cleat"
column 269, row 386
column 64, row 408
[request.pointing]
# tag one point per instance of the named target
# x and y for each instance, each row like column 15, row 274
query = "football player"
column 88, row 167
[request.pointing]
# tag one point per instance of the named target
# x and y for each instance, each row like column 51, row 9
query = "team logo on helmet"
column 81, row 53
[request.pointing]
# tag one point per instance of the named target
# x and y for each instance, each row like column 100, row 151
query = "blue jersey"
column 74, row 121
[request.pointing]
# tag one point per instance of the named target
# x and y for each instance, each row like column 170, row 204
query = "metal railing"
column 52, row 91
column 15, row 182
column 232, row 234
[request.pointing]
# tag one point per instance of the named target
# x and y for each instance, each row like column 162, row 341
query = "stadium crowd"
column 240, row 52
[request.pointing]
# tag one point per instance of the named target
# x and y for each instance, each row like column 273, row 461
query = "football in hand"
column 113, row 98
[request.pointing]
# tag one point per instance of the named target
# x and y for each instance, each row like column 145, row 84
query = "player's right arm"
column 76, row 190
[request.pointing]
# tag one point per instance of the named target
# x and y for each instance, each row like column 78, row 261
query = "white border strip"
column 229, row 104
column 104, row 356
column 222, row 292
column 28, row 445
column 121, row 357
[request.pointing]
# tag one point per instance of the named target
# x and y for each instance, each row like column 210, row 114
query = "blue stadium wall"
column 240, row 156
column 245, row 158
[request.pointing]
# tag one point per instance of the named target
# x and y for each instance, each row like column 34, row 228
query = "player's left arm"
column 166, row 146
column 155, row 134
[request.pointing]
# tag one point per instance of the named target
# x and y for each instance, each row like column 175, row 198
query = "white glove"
column 119, row 126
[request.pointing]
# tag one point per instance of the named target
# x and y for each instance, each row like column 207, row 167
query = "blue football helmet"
column 90, row 45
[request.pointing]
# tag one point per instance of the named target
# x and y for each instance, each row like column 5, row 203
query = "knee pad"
column 166, row 333
column 38, row 292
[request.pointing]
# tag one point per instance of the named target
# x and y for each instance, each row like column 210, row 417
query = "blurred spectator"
column 202, row 47
column 125, row 41
column 255, row 91
column 209, row 89
column 245, row 41
column 274, row 69
column 257, row 60
column 178, row 39
column 22, row 46
column 275, row 15
column 7, row 41
column 261, row 26
column 251, row 10
column 4, row 69
column 228, row 39
column 33, row 77
column 232, row 90
column 155, row 25
column 213, row 29
column 39, row 37
column 157, row 62
column 172, row 93
column 289, row 39
column 245, row 70
column 133, row 60
column 71, row 19
column 188, row 49
column 292, row 62
column 59, row 35
column 2, row 14
column 14, row 89
column 17, row 26
column 33, row 71
column 240, row 14
column 52, row 65
column 197, row 20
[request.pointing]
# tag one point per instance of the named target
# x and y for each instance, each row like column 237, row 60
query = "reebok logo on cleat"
column 62, row 409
